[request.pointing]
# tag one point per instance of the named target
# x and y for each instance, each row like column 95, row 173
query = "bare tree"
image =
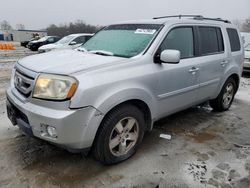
column 4, row 25
column 20, row 26
column 238, row 23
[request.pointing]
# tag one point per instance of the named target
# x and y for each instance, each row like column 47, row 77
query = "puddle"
column 202, row 137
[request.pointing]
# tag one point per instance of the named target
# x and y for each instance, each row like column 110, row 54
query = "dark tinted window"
column 80, row 40
column 87, row 38
column 180, row 39
column 211, row 40
column 234, row 39
column 51, row 39
column 220, row 40
column 57, row 39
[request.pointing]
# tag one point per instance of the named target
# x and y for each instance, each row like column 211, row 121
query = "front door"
column 178, row 83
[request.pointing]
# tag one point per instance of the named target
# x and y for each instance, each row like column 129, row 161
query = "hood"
column 247, row 54
column 67, row 62
column 48, row 46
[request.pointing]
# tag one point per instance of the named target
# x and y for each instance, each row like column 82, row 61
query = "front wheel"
column 120, row 134
column 225, row 98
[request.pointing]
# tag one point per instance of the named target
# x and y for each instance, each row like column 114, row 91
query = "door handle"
column 224, row 63
column 193, row 70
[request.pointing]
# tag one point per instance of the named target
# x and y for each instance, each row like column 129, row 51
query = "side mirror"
column 170, row 56
column 72, row 43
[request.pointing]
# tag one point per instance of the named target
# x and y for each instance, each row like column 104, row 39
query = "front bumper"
column 43, row 50
column 75, row 128
column 246, row 66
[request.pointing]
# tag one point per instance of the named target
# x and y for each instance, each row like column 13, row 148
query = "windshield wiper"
column 102, row 52
column 81, row 49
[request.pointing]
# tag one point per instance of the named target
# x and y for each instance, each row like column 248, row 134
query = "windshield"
column 247, row 47
column 65, row 40
column 126, row 40
column 43, row 39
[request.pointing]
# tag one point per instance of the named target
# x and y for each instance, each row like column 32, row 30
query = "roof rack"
column 196, row 17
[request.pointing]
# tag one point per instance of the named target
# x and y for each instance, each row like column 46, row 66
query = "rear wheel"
column 225, row 98
column 120, row 134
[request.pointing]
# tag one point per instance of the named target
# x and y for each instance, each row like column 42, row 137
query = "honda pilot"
column 107, row 93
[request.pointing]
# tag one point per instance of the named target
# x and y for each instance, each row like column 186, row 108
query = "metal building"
column 20, row 35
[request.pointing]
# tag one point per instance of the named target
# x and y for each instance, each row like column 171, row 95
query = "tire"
column 112, row 136
column 221, row 104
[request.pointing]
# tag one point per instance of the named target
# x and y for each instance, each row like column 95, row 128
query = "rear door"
column 212, row 60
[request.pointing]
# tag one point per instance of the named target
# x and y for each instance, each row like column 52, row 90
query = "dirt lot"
column 207, row 149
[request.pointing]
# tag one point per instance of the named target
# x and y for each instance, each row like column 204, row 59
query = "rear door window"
column 211, row 40
column 234, row 39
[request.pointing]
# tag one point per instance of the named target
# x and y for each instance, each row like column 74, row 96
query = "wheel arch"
column 233, row 75
column 140, row 104
column 236, row 78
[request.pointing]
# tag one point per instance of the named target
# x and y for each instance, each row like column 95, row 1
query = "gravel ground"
column 207, row 149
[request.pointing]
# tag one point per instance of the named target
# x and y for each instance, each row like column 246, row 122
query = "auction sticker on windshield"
column 145, row 31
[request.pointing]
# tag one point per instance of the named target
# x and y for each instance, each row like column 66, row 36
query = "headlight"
column 54, row 87
column 48, row 50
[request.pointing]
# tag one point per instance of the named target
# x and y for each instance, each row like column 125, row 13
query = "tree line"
column 61, row 30
column 80, row 26
column 245, row 27
column 77, row 27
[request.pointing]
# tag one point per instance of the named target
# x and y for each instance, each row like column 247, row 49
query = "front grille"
column 247, row 60
column 19, row 114
column 23, row 83
column 247, row 68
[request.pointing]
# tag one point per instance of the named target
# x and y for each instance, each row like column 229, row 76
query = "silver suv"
column 108, row 92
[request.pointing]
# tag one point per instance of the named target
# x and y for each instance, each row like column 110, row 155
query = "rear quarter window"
column 234, row 39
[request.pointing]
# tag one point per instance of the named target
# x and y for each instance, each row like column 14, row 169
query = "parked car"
column 69, row 42
column 108, row 92
column 25, row 43
column 34, row 45
column 246, row 67
column 246, row 37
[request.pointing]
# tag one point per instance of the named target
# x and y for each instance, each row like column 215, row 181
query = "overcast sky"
column 39, row 14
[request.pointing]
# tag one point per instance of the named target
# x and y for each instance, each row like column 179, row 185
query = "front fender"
column 110, row 101
column 106, row 100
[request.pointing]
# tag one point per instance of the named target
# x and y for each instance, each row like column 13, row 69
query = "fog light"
column 52, row 131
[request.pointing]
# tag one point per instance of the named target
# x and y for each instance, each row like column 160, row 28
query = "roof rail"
column 177, row 16
column 213, row 19
column 196, row 17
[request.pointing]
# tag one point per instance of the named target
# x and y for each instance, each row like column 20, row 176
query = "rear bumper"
column 75, row 128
